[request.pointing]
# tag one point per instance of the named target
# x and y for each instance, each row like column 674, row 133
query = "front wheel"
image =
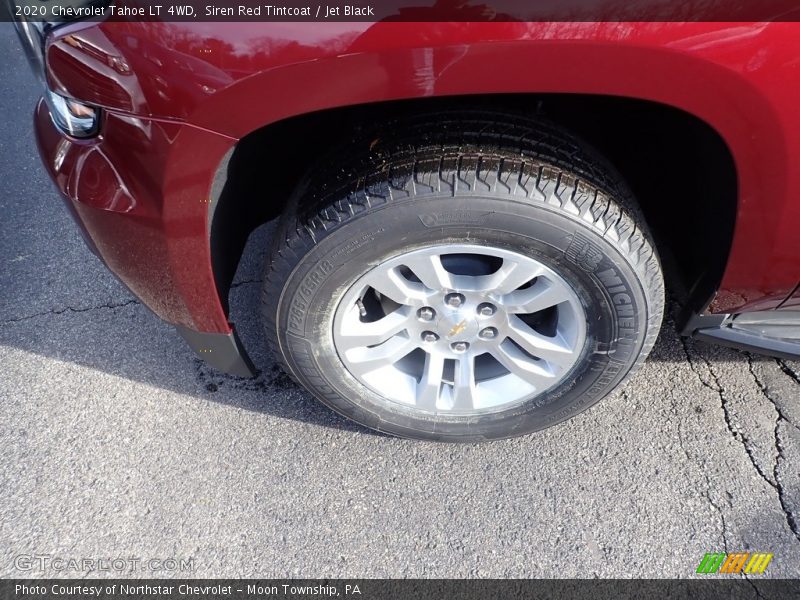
column 481, row 282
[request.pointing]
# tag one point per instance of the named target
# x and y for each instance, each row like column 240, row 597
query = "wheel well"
column 679, row 168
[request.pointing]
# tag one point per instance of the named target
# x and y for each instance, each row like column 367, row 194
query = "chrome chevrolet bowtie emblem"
column 457, row 329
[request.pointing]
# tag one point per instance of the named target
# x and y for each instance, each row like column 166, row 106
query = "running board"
column 774, row 333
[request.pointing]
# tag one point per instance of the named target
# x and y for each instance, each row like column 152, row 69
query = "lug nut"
column 486, row 309
column 429, row 336
column 454, row 300
column 459, row 347
column 489, row 333
column 426, row 313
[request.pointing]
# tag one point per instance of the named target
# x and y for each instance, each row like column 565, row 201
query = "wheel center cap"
column 458, row 326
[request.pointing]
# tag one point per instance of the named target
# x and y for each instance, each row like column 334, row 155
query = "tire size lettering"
column 304, row 293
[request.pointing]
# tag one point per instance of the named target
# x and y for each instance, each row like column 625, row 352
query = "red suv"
column 475, row 219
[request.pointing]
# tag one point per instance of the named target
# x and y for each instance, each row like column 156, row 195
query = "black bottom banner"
column 368, row 589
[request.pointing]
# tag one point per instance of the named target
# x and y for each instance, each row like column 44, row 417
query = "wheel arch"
column 742, row 196
column 246, row 195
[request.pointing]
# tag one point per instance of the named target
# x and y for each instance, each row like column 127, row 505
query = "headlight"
column 72, row 117
column 33, row 20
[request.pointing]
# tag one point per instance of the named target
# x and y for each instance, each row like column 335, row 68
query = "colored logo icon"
column 740, row 562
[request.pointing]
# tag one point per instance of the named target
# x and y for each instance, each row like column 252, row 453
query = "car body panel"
column 148, row 220
column 181, row 94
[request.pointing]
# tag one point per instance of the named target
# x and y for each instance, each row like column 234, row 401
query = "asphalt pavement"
column 116, row 442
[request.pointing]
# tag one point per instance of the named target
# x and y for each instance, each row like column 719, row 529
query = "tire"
column 501, row 189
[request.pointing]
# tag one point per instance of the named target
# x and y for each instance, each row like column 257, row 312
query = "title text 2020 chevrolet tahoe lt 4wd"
column 473, row 216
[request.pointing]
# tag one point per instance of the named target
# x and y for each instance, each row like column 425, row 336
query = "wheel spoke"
column 553, row 350
column 541, row 295
column 523, row 366
column 510, row 276
column 365, row 360
column 430, row 385
column 464, row 389
column 353, row 333
column 392, row 284
column 431, row 271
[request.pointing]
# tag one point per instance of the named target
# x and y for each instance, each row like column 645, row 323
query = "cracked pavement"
column 116, row 441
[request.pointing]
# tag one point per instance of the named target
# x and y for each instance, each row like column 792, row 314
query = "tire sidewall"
column 603, row 278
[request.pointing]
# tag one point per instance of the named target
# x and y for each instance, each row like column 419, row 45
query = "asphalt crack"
column 720, row 391
column 738, row 436
column 765, row 392
column 717, row 387
column 789, row 371
column 702, row 467
column 699, row 463
column 69, row 309
column 791, row 520
column 719, row 510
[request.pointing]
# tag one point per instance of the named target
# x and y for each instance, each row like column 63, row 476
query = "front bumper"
column 140, row 193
